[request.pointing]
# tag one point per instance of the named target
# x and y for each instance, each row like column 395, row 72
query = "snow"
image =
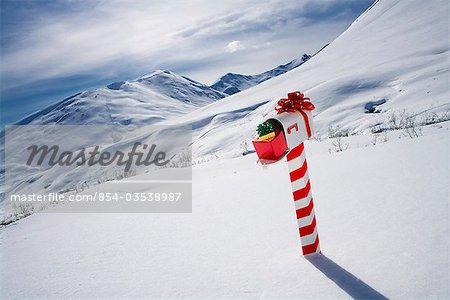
column 374, row 219
column 380, row 56
column 232, row 83
column 149, row 99
column 180, row 87
column 382, row 210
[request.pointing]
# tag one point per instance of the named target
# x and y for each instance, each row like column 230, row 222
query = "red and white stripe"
column 304, row 206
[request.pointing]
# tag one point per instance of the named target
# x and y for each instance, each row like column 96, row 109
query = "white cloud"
column 235, row 46
column 132, row 37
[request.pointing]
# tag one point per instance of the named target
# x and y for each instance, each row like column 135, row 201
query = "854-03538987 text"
column 101, row 197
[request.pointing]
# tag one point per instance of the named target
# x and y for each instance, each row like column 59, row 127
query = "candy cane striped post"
column 304, row 205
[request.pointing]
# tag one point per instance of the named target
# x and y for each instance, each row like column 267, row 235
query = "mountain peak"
column 149, row 99
column 158, row 73
column 232, row 83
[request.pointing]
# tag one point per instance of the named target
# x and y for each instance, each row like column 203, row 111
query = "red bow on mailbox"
column 296, row 102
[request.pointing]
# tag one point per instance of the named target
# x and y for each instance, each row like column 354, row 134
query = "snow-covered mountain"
column 380, row 60
column 180, row 87
column 149, row 99
column 380, row 207
column 353, row 71
column 154, row 97
column 232, row 83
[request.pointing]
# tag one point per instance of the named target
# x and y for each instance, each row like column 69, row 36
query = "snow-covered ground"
column 382, row 205
column 382, row 216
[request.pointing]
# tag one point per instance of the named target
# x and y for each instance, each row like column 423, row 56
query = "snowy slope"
column 392, row 53
column 147, row 100
column 181, row 88
column 232, row 83
column 382, row 210
column 379, row 218
column 151, row 98
column 381, row 57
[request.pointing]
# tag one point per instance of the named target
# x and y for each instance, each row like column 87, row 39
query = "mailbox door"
column 295, row 126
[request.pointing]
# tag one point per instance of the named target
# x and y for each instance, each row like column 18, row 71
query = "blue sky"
column 52, row 49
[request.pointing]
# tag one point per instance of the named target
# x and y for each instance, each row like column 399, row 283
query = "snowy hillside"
column 344, row 79
column 381, row 205
column 377, row 220
column 180, row 87
column 147, row 100
column 381, row 63
column 157, row 96
column 232, row 83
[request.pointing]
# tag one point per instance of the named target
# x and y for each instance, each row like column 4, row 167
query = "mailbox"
column 284, row 131
column 275, row 148
column 291, row 125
